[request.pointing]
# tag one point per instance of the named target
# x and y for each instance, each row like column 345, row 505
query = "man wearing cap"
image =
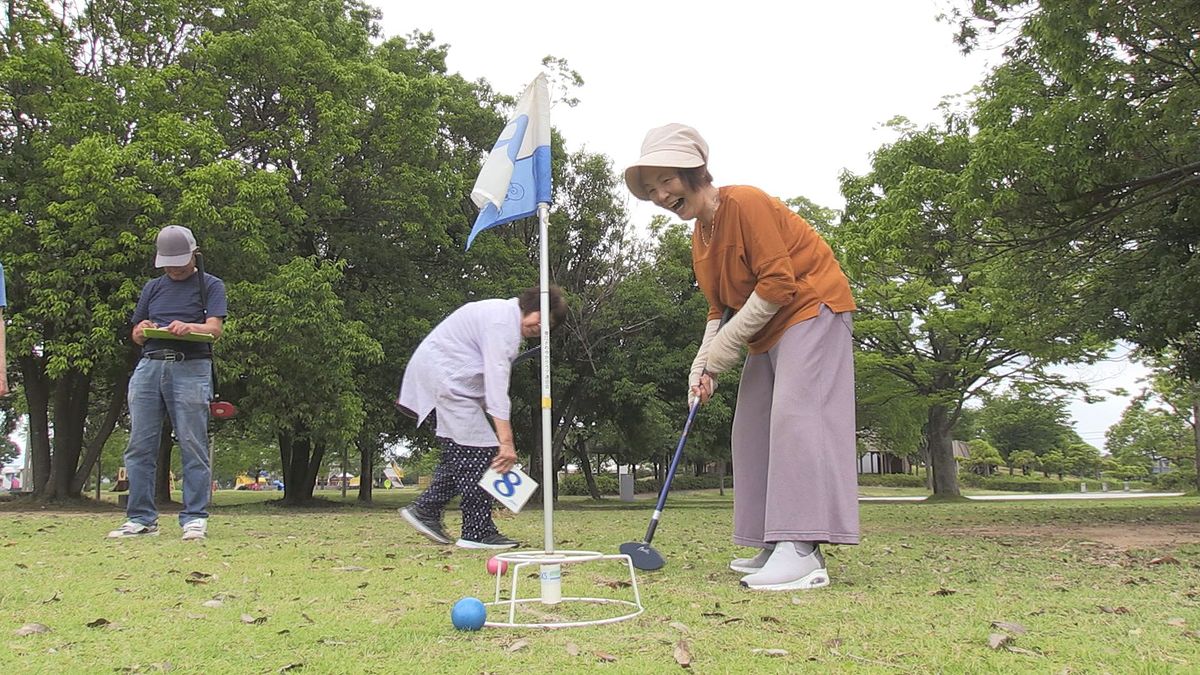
column 174, row 376
column 3, row 350
column 793, row 427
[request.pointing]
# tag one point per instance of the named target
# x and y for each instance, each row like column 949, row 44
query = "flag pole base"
column 524, row 559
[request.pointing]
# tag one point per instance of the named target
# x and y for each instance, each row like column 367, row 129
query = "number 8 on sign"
column 512, row 488
column 507, row 484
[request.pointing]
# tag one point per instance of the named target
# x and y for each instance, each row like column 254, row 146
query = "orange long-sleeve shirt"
column 759, row 244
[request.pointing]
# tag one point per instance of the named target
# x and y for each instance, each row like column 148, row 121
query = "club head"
column 643, row 555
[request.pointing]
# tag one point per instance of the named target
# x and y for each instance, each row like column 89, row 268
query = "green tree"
column 295, row 352
column 93, row 166
column 982, row 458
column 1092, row 155
column 1023, row 419
column 1146, row 434
column 935, row 311
column 1023, row 459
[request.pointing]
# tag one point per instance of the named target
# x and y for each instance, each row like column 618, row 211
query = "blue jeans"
column 181, row 389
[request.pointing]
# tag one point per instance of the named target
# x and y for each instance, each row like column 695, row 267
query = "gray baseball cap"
column 175, row 246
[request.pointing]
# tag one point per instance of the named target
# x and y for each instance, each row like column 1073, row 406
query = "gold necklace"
column 713, row 231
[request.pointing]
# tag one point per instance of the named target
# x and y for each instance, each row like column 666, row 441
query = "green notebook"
column 164, row 334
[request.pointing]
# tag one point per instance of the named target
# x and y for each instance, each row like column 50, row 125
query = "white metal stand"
column 520, row 560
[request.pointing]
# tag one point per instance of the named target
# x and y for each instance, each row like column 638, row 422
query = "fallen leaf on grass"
column 198, row 577
column 332, row 643
column 212, row 604
column 1113, row 610
column 770, row 619
column 683, row 655
column 1194, row 634
column 998, row 640
column 54, row 598
column 97, row 623
column 1177, row 622
column 606, row 657
column 1011, row 627
column 773, row 653
column 291, row 666
column 943, row 591
column 729, row 621
column 834, row 643
column 517, row 646
column 615, row 583
column 352, row 568
column 714, row 614
column 1164, row 560
column 246, row 618
column 572, row 649
column 682, row 628
column 31, row 628
column 306, row 617
column 1018, row 650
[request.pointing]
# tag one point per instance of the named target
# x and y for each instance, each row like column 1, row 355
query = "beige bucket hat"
column 675, row 146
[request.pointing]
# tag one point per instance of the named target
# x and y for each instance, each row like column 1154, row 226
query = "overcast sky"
column 787, row 94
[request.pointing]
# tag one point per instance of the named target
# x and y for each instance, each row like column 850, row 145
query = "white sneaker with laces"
column 132, row 529
column 752, row 565
column 195, row 530
column 790, row 570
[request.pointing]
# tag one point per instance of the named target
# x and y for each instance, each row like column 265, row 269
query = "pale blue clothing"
column 182, row 390
column 3, row 299
column 462, row 368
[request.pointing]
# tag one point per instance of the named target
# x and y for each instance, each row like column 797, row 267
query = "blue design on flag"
column 516, row 176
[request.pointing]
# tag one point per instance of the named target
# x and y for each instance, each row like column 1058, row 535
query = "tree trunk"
column 366, row 472
column 941, row 453
column 721, row 471
column 586, row 467
column 115, row 406
column 70, row 412
column 162, row 472
column 37, row 395
column 301, row 460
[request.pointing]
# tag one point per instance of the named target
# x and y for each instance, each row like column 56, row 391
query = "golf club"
column 641, row 553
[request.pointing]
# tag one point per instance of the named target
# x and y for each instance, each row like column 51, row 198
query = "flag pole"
column 551, row 572
column 547, row 436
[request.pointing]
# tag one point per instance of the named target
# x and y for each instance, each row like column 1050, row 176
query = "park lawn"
column 1100, row 586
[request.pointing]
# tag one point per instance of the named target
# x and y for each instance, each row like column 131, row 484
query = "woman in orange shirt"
column 795, row 479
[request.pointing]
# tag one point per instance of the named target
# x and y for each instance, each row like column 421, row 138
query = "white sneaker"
column 132, row 529
column 752, row 565
column 195, row 530
column 788, row 570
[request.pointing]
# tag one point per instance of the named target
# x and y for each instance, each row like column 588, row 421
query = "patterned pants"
column 457, row 473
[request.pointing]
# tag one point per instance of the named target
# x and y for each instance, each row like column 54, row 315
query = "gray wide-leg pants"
column 794, row 461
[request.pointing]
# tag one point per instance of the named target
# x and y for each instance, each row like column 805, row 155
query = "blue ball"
column 468, row 614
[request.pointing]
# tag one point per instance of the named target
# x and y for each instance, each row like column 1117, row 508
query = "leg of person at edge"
column 793, row 428
column 173, row 378
column 3, row 358
column 458, row 377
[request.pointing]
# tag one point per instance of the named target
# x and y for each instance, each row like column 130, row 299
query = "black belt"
column 171, row 355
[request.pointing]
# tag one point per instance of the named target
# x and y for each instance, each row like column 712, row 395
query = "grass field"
column 1103, row 586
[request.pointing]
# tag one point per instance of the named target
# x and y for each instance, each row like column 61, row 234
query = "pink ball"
column 497, row 566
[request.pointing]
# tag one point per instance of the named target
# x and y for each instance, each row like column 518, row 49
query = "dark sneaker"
column 132, row 529
column 491, row 541
column 430, row 527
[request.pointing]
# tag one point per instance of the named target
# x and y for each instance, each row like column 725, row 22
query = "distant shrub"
column 575, row 484
column 1175, row 481
column 891, row 480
